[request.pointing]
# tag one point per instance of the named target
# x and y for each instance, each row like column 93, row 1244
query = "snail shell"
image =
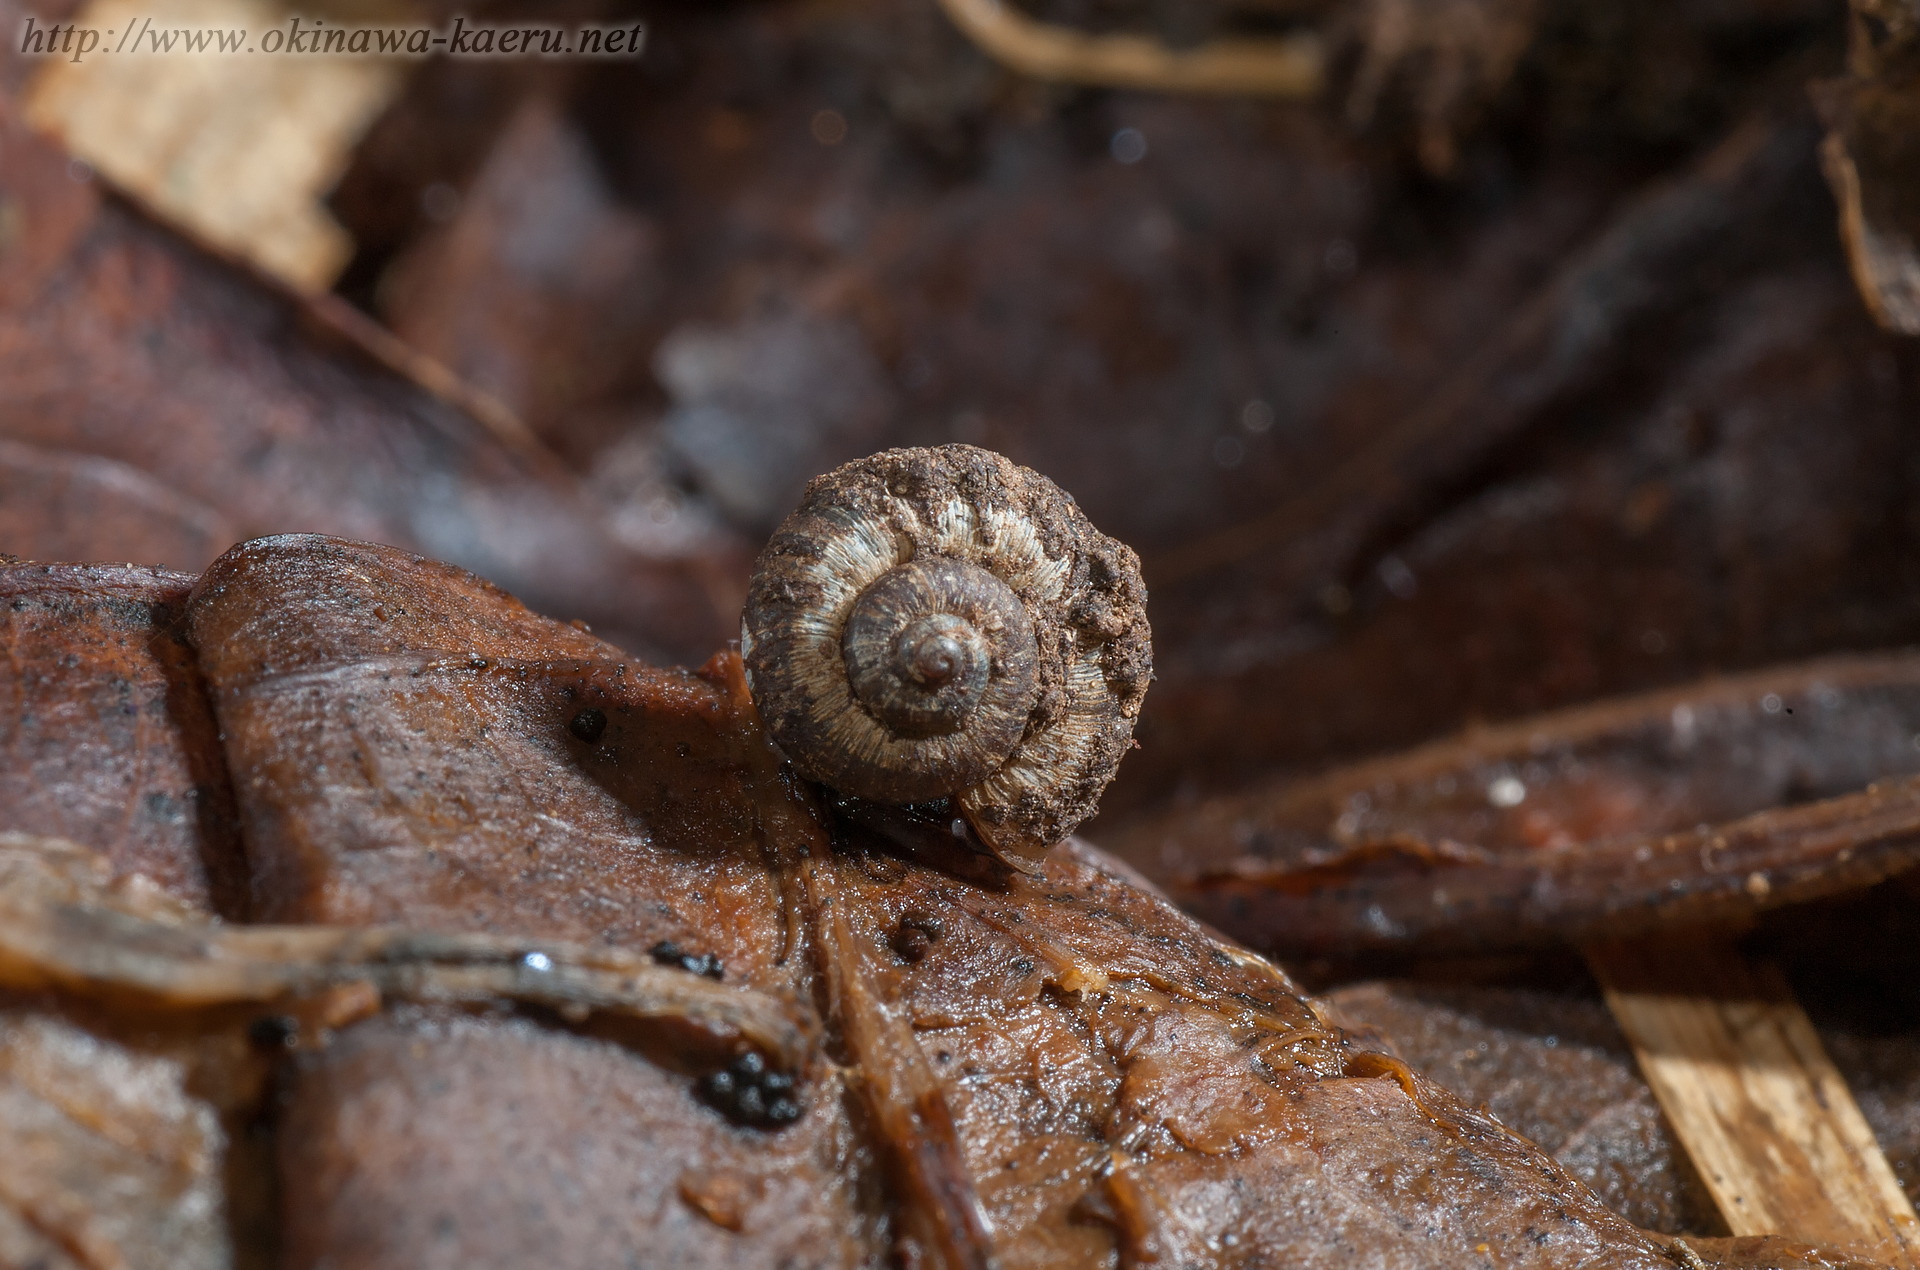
column 942, row 623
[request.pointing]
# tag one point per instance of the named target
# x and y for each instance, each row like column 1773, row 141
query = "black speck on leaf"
column 589, row 725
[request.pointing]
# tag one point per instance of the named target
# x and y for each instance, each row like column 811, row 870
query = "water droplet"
column 1507, row 791
column 1129, row 145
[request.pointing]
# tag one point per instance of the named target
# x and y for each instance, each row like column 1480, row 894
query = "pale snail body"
column 941, row 623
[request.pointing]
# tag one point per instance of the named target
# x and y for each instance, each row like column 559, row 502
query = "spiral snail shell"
column 942, row 623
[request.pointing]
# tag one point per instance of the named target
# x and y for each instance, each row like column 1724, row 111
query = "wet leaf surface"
column 107, row 737
column 1070, row 1070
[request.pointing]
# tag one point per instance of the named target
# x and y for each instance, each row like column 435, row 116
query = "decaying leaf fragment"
column 240, row 149
column 111, row 1159
column 1703, row 803
column 1056, row 1070
column 197, row 404
column 107, row 739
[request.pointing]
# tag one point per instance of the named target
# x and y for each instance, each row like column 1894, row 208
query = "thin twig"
column 60, row 927
column 1292, row 67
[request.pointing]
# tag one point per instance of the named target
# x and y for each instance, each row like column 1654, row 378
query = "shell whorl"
column 940, row 648
column 941, row 623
